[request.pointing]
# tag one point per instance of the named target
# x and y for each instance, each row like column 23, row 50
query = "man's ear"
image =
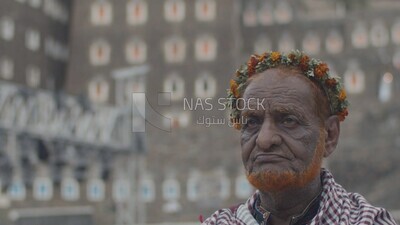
column 332, row 129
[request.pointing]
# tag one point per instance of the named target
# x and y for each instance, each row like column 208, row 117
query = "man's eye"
column 289, row 121
column 252, row 122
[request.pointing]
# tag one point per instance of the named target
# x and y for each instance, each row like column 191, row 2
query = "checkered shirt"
column 337, row 206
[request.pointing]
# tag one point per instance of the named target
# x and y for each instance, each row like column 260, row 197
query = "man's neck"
column 286, row 204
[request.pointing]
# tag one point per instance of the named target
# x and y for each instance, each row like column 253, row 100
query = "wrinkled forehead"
column 281, row 86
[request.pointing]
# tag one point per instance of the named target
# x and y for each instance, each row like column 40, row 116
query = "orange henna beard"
column 273, row 181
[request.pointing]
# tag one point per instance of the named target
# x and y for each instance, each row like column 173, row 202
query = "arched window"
column 33, row 76
column 6, row 68
column 147, row 190
column 121, row 190
column 174, row 10
column 17, row 190
column 396, row 32
column 136, row 51
column 100, row 52
column 136, row 12
column 174, row 84
column 70, row 189
column 205, row 86
column 334, row 42
column 283, row 12
column 312, row 43
column 32, row 39
column 205, row 48
column 174, row 50
column 379, row 34
column 193, row 186
column 101, row 13
column 359, row 36
column 171, row 189
column 42, row 189
column 7, row 28
column 250, row 14
column 354, row 79
column 286, row 43
column 265, row 14
column 99, row 90
column 262, row 44
column 206, row 10
column 95, row 190
column 385, row 87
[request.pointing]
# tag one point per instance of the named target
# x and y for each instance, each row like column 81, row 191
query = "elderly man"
column 288, row 109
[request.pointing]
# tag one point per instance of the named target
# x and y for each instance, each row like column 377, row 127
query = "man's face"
column 282, row 141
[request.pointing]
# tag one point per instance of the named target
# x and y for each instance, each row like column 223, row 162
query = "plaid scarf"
column 337, row 206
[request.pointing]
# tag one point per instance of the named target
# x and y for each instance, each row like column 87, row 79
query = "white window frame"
column 32, row 39
column 379, row 35
column 312, row 43
column 359, row 36
column 131, row 16
column 181, row 10
column 352, row 71
column 93, row 52
column 70, row 190
column 266, row 14
column 180, row 86
column 334, row 42
column 250, row 15
column 42, row 189
column 386, row 88
column 283, row 12
column 193, row 189
column 93, row 89
column 211, row 11
column 6, row 68
column 108, row 11
column 140, row 46
column 148, row 185
column 212, row 45
column 121, row 190
column 171, row 189
column 199, row 86
column 33, row 76
column 7, row 28
column 95, row 190
column 17, row 190
column 180, row 45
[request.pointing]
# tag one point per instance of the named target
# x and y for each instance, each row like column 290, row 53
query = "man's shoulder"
column 224, row 216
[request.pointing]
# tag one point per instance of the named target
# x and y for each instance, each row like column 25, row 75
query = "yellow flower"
column 342, row 95
column 275, row 56
column 234, row 88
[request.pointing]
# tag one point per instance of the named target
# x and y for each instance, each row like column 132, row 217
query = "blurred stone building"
column 182, row 55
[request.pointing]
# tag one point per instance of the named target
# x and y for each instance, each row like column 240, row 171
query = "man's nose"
column 268, row 136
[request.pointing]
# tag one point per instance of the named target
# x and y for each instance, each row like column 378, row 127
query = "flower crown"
column 312, row 68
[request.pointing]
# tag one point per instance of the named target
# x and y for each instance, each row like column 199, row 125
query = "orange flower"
column 234, row 88
column 251, row 65
column 275, row 56
column 292, row 57
column 304, row 62
column 342, row 95
column 321, row 70
column 330, row 82
column 263, row 56
column 342, row 115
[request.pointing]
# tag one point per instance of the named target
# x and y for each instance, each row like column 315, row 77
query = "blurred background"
column 68, row 70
